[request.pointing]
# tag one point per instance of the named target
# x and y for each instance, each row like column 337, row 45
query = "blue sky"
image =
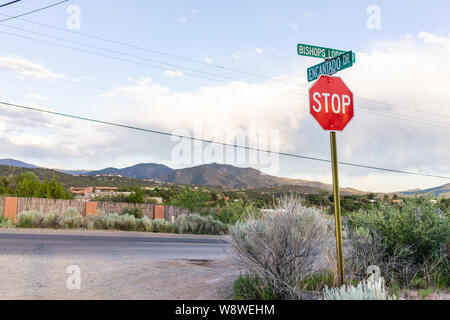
column 250, row 36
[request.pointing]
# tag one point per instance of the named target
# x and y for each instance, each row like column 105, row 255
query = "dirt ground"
column 33, row 278
column 135, row 271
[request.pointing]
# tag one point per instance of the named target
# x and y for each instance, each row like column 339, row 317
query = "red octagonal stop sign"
column 331, row 103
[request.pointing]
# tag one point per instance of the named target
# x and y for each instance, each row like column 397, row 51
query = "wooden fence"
column 10, row 207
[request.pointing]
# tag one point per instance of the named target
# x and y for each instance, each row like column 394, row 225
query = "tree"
column 193, row 200
column 136, row 196
column 29, row 186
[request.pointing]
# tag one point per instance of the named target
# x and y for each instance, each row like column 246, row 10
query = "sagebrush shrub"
column 197, row 224
column 144, row 224
column 53, row 220
column 281, row 248
column 30, row 219
column 71, row 219
column 90, row 221
column 161, row 226
column 126, row 223
column 371, row 289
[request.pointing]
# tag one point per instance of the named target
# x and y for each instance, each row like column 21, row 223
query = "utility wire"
column 216, row 142
column 121, row 43
column 299, row 95
column 366, row 110
column 397, row 116
column 134, row 62
column 151, row 50
column 7, row 4
column 34, row 11
column 122, row 53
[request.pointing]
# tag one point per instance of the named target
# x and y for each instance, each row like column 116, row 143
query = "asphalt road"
column 33, row 265
column 122, row 246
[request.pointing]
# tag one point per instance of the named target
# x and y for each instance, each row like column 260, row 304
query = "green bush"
column 136, row 212
column 250, row 287
column 231, row 212
column 418, row 223
column 6, row 223
column 317, row 281
column 30, row 219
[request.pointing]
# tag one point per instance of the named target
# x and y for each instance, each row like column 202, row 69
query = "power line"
column 366, row 110
column 34, row 11
column 7, row 4
column 122, row 53
column 159, row 52
column 218, row 143
column 394, row 115
column 151, row 50
column 136, row 62
column 106, row 56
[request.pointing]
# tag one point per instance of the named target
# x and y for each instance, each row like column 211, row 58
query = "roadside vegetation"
column 388, row 250
column 132, row 220
column 392, row 246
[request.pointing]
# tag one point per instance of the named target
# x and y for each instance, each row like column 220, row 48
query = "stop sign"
column 331, row 103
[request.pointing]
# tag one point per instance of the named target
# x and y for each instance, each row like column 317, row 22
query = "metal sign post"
column 331, row 104
column 337, row 209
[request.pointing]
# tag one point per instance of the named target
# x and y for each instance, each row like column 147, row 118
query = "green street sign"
column 331, row 66
column 320, row 52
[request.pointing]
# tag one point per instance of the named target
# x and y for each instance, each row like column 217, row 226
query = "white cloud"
column 398, row 72
column 174, row 74
column 208, row 60
column 25, row 69
column 37, row 97
column 308, row 15
column 294, row 26
column 258, row 50
column 182, row 20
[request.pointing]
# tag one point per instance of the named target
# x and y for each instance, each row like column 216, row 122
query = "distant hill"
column 212, row 175
column 76, row 181
column 151, row 171
column 221, row 175
column 16, row 163
column 438, row 191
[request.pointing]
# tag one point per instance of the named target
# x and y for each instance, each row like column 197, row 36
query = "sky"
column 230, row 72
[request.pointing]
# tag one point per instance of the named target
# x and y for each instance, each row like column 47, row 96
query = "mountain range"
column 441, row 190
column 214, row 174
column 219, row 175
